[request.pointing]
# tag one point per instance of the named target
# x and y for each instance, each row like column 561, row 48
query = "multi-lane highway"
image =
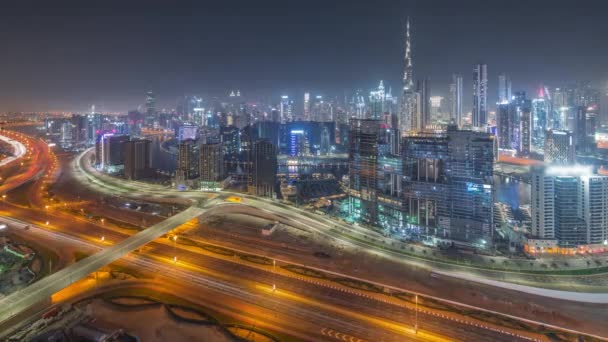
column 309, row 309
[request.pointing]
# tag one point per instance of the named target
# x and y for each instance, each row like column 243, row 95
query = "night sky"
column 68, row 56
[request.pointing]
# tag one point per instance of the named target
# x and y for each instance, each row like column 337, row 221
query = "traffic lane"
column 243, row 274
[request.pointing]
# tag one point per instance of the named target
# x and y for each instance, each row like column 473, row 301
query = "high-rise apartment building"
column 211, row 166
column 188, row 154
column 569, row 204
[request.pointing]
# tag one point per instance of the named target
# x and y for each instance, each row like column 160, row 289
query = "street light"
column 416, row 324
column 103, row 238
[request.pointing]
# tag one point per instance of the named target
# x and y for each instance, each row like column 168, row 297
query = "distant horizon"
column 66, row 57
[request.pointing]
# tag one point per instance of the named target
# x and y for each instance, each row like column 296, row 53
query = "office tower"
column 262, row 168
column 436, row 109
column 375, row 173
column 423, row 113
column 112, row 156
column 580, row 129
column 540, row 119
column 363, row 168
column 480, row 91
column 377, row 102
column 449, row 185
column 188, row 155
column 306, row 106
column 559, row 147
column 504, row 88
column 150, row 108
column 286, row 109
column 138, row 159
column 569, row 204
column 456, row 99
column 514, row 124
column 408, row 97
column 525, row 127
column 211, row 166
column 592, row 119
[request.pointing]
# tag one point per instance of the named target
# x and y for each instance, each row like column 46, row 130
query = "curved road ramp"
column 19, row 302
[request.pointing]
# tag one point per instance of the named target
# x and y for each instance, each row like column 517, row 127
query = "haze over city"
column 304, row 171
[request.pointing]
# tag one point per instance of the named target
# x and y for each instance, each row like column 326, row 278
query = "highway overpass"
column 41, row 290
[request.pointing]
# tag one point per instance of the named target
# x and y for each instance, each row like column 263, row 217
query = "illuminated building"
column 230, row 138
column 150, row 108
column 137, row 155
column 187, row 131
column 448, row 186
column 480, row 92
column 211, row 166
column 408, row 96
column 375, row 175
column 559, row 147
column 514, row 124
column 569, row 204
column 423, row 113
column 306, row 106
column 456, row 99
column 504, row 88
column 188, row 154
column 112, row 153
column 377, row 102
column 540, row 120
column 286, row 109
column 262, row 177
column 298, row 143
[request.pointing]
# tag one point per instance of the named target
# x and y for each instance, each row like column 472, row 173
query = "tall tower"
column 456, row 99
column 480, row 92
column 408, row 97
column 504, row 88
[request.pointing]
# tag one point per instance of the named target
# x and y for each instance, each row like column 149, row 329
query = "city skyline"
column 209, row 50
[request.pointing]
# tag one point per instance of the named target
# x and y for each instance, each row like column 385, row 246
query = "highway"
column 18, row 150
column 44, row 288
column 317, row 309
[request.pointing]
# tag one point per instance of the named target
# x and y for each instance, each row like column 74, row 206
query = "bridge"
column 19, row 301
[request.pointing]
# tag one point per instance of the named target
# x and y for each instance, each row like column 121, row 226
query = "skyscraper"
column 408, row 98
column 377, row 102
column 188, row 154
column 480, row 91
column 211, row 166
column 448, row 185
column 504, row 88
column 262, row 168
column 423, row 112
column 456, row 100
column 306, row 106
column 150, row 108
column 286, row 109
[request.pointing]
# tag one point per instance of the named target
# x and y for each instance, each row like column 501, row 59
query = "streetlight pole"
column 274, row 285
column 416, row 324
